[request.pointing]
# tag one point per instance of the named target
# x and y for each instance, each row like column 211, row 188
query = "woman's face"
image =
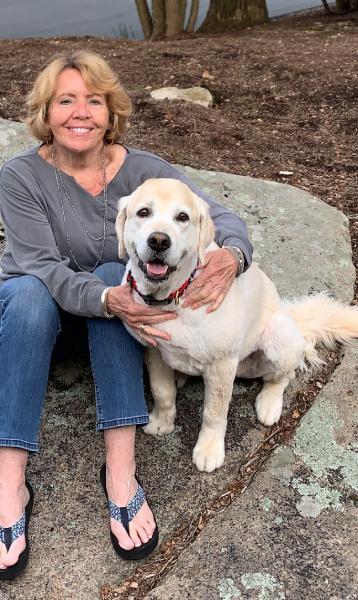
column 78, row 117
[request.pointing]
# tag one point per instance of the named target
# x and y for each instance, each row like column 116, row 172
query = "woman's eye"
column 143, row 212
column 182, row 217
column 65, row 101
column 95, row 101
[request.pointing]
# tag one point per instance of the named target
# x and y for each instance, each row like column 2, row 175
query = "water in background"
column 108, row 18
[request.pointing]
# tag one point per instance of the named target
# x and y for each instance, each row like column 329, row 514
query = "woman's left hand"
column 213, row 283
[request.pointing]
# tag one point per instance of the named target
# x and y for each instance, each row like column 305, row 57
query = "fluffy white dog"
column 165, row 229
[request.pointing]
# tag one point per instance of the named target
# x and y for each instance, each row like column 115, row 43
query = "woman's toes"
column 134, row 535
column 123, row 538
column 143, row 535
column 149, row 529
column 12, row 556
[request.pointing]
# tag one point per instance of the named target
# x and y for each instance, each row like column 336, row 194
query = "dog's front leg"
column 162, row 384
column 209, row 451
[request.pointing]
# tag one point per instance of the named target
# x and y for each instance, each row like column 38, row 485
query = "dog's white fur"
column 252, row 334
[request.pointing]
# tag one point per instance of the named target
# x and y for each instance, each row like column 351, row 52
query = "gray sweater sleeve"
column 33, row 247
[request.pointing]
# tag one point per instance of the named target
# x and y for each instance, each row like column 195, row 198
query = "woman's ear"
column 120, row 223
column 206, row 229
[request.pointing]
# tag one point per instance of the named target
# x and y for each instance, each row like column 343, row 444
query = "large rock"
column 293, row 534
column 71, row 551
column 14, row 137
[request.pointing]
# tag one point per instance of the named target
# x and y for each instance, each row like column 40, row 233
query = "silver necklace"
column 102, row 238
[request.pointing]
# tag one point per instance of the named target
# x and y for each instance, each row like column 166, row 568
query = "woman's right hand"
column 138, row 316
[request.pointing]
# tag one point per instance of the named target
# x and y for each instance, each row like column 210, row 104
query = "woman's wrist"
column 104, row 306
column 238, row 254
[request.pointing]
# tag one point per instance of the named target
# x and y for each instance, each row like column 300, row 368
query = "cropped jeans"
column 30, row 321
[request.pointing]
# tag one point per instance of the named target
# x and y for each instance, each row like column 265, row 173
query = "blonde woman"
column 58, row 202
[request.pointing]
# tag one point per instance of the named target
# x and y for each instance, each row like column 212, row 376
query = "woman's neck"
column 74, row 162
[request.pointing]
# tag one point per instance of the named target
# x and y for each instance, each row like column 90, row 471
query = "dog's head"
column 160, row 224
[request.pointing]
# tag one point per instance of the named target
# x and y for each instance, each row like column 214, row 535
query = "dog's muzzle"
column 155, row 268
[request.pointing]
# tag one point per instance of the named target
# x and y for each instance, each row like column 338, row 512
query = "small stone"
column 196, row 95
column 133, row 585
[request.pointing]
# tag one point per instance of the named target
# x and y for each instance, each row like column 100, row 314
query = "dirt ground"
column 285, row 100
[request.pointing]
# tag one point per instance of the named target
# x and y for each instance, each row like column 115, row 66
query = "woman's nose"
column 81, row 110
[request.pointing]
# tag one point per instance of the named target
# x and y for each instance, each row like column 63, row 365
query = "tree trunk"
column 144, row 17
column 224, row 15
column 182, row 11
column 158, row 17
column 173, row 18
column 194, row 11
column 327, row 10
column 346, row 5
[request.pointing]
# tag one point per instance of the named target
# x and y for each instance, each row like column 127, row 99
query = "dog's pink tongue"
column 156, row 269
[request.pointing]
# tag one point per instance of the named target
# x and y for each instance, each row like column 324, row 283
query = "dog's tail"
column 323, row 321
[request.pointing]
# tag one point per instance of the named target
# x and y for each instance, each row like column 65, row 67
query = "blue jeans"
column 29, row 324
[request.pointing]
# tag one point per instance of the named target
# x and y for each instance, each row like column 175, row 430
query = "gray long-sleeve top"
column 36, row 236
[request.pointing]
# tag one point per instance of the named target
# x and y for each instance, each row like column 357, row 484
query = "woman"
column 58, row 203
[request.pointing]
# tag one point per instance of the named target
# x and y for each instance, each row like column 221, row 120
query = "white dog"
column 165, row 229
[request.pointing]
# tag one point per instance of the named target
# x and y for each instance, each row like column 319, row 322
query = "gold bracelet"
column 105, row 312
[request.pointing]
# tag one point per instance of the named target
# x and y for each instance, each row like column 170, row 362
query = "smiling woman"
column 59, row 203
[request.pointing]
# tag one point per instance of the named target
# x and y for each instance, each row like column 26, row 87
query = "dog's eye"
column 182, row 217
column 143, row 212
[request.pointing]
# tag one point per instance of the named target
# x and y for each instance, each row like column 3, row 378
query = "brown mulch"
column 285, row 100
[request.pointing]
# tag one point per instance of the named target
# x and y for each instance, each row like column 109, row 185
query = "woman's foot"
column 13, row 499
column 121, row 487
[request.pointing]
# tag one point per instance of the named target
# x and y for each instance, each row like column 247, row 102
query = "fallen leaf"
column 207, row 75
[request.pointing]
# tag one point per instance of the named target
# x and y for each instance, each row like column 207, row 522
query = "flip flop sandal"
column 124, row 514
column 9, row 534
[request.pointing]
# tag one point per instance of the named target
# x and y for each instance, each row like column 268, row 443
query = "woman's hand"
column 138, row 316
column 214, row 281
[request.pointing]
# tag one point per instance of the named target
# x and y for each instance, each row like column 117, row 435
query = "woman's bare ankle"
column 12, row 471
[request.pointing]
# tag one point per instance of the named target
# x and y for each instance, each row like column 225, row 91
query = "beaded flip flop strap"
column 124, row 514
column 9, row 534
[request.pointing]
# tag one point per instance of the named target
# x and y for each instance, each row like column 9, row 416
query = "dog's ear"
column 120, row 223
column 206, row 229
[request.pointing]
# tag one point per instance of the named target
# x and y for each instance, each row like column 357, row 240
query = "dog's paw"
column 268, row 409
column 209, row 452
column 159, row 425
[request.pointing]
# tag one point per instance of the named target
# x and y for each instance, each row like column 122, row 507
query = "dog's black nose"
column 159, row 241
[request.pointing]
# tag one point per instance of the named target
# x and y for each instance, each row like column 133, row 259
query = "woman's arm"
column 33, row 248
column 230, row 229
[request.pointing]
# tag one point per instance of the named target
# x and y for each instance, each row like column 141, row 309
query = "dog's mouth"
column 156, row 269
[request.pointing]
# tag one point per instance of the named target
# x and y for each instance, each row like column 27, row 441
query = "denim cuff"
column 140, row 420
column 10, row 443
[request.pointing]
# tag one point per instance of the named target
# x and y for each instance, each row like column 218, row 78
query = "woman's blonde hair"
column 97, row 75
